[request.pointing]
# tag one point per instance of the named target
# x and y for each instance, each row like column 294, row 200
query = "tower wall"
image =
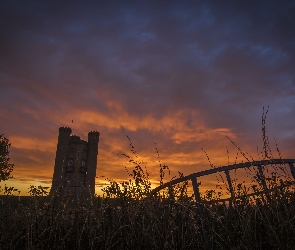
column 61, row 158
column 75, row 174
column 93, row 139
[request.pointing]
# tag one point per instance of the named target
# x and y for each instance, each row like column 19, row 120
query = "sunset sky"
column 181, row 74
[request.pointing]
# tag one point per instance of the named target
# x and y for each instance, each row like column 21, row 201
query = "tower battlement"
column 65, row 129
column 94, row 133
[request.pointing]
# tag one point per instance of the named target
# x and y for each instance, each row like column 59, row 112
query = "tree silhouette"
column 5, row 167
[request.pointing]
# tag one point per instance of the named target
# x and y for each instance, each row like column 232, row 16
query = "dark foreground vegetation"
column 44, row 223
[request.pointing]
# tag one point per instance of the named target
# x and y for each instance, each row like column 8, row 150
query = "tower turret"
column 93, row 139
column 64, row 137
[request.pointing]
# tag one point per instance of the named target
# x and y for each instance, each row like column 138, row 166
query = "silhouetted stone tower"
column 75, row 164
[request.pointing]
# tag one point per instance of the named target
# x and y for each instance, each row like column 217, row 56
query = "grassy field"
column 128, row 218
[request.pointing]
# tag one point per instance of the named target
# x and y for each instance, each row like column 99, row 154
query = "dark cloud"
column 182, row 74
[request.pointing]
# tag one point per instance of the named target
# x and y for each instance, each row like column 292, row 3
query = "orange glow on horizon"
column 179, row 144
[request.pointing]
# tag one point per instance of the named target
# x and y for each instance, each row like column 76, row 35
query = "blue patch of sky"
column 271, row 56
column 146, row 36
column 204, row 58
column 193, row 19
column 281, row 109
column 78, row 27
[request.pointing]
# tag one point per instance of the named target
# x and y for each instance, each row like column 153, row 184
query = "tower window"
column 71, row 162
column 70, row 166
column 83, row 166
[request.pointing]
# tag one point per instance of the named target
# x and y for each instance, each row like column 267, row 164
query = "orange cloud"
column 201, row 135
column 22, row 142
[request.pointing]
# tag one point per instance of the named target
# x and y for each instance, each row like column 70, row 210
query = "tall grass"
column 168, row 222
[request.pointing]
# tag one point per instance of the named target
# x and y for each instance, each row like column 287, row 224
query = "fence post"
column 231, row 190
column 200, row 207
column 292, row 168
column 262, row 178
